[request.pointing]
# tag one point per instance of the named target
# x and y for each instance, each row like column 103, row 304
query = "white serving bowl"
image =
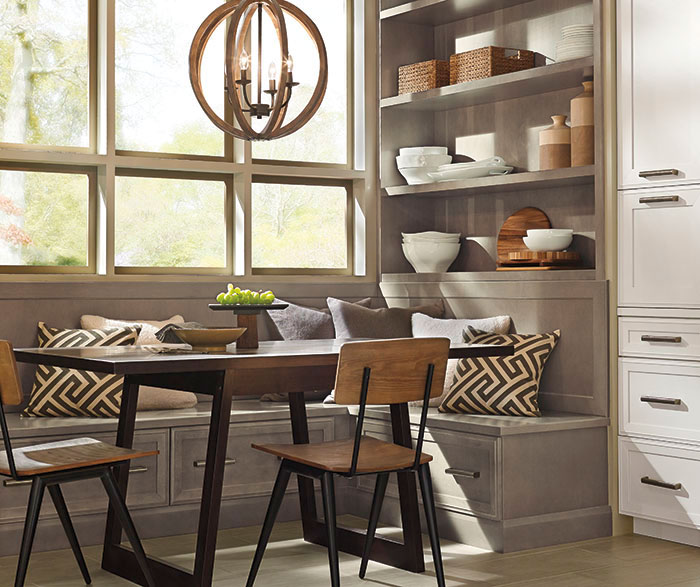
column 431, row 236
column 541, row 243
column 550, row 232
column 423, row 151
column 417, row 175
column 408, row 161
column 431, row 257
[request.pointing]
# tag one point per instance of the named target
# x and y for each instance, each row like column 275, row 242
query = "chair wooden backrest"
column 398, row 370
column 10, row 395
column 391, row 372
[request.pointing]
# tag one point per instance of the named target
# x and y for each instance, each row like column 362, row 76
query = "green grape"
column 255, row 297
column 230, row 286
column 228, row 299
column 235, row 298
column 237, row 290
column 220, row 298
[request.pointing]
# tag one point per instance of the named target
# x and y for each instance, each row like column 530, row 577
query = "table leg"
column 407, row 556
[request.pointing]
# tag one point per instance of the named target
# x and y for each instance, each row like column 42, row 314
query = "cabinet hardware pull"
column 658, row 172
column 654, row 338
column 669, row 401
column 662, row 484
column 460, row 473
column 15, row 483
column 659, row 199
column 201, row 464
column 137, row 470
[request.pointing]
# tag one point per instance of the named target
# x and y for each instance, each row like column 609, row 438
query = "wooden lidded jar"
column 555, row 144
column 583, row 128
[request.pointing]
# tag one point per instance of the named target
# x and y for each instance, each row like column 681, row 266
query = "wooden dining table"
column 284, row 367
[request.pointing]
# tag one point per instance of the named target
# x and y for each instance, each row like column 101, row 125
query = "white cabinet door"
column 659, row 248
column 658, row 92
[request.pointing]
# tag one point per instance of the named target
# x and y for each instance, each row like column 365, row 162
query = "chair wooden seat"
column 67, row 455
column 336, row 456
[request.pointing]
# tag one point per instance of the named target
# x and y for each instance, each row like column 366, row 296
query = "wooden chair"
column 381, row 372
column 50, row 465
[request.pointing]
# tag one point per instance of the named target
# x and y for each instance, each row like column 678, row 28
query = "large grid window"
column 109, row 166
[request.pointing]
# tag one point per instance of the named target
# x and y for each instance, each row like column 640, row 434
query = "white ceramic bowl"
column 539, row 243
column 431, row 236
column 550, row 232
column 423, row 151
column 431, row 257
column 417, row 175
column 404, row 161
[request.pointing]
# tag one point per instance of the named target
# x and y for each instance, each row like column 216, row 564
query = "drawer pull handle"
column 669, row 339
column 662, row 484
column 16, row 483
column 669, row 401
column 659, row 199
column 19, row 483
column 460, row 473
column 658, row 173
column 202, row 464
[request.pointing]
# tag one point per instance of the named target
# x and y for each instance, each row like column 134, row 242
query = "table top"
column 132, row 360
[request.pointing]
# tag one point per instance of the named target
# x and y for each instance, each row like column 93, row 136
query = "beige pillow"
column 148, row 327
column 150, row 398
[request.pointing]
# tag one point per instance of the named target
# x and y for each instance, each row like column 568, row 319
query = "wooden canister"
column 583, row 128
column 555, row 144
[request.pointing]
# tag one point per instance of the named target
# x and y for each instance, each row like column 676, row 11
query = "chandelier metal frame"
column 237, row 82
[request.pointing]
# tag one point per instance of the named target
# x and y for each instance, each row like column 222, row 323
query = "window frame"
column 227, row 180
column 91, row 174
column 349, row 225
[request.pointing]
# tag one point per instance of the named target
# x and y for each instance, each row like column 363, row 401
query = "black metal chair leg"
column 377, row 501
column 117, row 501
column 60, row 504
column 33, row 510
column 426, row 486
column 272, row 510
column 328, row 490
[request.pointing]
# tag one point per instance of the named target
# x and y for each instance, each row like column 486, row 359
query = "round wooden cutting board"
column 510, row 237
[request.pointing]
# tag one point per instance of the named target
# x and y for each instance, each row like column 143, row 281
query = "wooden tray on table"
column 247, row 318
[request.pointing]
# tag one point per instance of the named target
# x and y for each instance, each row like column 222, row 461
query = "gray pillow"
column 352, row 321
column 304, row 323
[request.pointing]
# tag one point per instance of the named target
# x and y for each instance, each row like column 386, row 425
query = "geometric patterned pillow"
column 58, row 391
column 501, row 385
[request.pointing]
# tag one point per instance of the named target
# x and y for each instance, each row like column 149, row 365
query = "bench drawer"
column 248, row 472
column 148, row 482
column 660, row 482
column 665, row 338
column 660, row 398
column 464, row 470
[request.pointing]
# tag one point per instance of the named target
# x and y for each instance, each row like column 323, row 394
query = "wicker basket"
column 490, row 61
column 423, row 76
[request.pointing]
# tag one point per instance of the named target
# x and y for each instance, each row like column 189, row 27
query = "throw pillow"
column 425, row 326
column 304, row 323
column 71, row 392
column 148, row 327
column 150, row 398
column 501, row 385
column 352, row 321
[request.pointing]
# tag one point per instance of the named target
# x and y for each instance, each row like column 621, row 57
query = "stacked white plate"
column 431, row 252
column 471, row 170
column 576, row 42
column 415, row 163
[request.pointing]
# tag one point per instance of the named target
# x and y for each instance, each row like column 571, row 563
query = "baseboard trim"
column 663, row 531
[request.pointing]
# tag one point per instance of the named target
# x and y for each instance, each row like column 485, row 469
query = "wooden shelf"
column 532, row 180
column 540, row 80
column 436, row 12
column 452, row 276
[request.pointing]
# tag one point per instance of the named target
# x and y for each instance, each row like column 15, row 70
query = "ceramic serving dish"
column 548, row 240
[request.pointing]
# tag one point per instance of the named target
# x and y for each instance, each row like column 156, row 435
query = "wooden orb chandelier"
column 246, row 104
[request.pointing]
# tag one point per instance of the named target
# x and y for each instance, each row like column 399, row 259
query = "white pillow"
column 148, row 327
column 425, row 327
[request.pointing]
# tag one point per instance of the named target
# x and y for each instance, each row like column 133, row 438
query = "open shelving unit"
column 502, row 116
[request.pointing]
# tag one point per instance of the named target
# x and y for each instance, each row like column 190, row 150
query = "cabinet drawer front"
column 647, row 84
column 660, row 399
column 248, row 471
column 660, row 482
column 660, row 338
column 659, row 248
column 464, row 470
column 148, row 482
